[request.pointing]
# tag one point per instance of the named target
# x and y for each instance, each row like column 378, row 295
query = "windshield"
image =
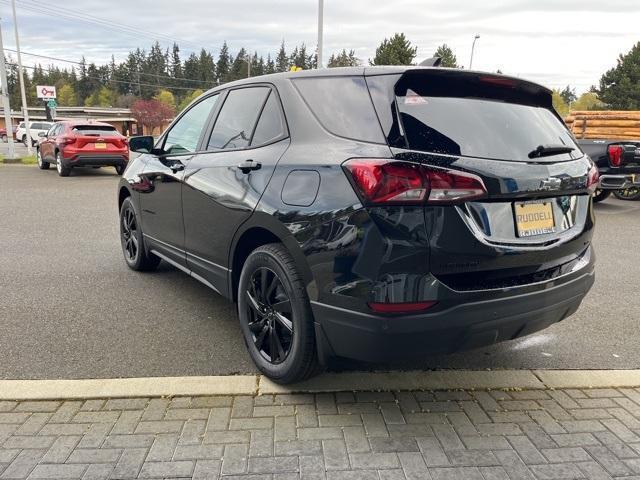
column 481, row 128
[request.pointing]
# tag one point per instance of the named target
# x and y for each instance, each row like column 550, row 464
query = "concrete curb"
column 329, row 382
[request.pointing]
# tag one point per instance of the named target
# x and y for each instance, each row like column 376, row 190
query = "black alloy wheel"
column 130, row 236
column 133, row 248
column 269, row 312
column 275, row 315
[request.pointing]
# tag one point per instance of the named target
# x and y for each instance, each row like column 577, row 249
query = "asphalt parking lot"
column 70, row 308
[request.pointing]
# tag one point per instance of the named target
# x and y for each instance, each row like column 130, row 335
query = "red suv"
column 71, row 144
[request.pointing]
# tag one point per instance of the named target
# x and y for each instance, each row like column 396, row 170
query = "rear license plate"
column 100, row 145
column 534, row 218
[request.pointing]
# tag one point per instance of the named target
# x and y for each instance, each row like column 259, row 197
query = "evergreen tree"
column 568, row 95
column 239, row 67
column 223, row 65
column 449, row 59
column 396, row 50
column 270, row 66
column 282, row 60
column 620, row 86
column 343, row 59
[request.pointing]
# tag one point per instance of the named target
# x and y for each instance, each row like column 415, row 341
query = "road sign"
column 46, row 91
column 52, row 103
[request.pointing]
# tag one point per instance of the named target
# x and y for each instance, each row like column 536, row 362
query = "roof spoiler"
column 431, row 62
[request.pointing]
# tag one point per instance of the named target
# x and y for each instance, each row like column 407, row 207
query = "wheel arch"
column 123, row 193
column 262, row 229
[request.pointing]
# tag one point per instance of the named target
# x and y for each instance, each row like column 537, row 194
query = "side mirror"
column 42, row 134
column 141, row 144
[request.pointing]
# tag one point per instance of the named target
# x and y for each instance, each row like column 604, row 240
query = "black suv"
column 369, row 213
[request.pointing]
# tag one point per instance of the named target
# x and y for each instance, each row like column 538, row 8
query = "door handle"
column 249, row 165
column 177, row 166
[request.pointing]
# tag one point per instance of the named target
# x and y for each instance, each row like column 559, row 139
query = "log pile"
column 609, row 124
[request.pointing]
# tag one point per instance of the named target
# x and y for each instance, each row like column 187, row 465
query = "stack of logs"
column 611, row 124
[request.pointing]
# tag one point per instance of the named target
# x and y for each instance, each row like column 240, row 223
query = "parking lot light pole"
column 320, row 31
column 25, row 111
column 473, row 45
column 5, row 101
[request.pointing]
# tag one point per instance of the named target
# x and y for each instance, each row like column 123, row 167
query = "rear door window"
column 271, row 124
column 237, row 118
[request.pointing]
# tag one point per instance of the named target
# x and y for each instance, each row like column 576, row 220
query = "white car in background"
column 34, row 130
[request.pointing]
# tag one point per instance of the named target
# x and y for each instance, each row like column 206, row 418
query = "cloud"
column 556, row 42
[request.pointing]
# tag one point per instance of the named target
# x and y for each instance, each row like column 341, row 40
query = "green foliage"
column 343, row 59
column 189, row 98
column 569, row 94
column 66, row 96
column 396, row 50
column 620, row 86
column 448, row 57
column 104, row 97
column 559, row 104
column 167, row 98
column 588, row 101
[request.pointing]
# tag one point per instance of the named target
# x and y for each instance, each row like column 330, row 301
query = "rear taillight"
column 615, row 155
column 400, row 307
column 380, row 181
column 66, row 140
column 592, row 178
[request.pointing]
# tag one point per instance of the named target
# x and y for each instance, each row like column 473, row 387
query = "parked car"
column 368, row 213
column 3, row 133
column 80, row 143
column 618, row 163
column 35, row 128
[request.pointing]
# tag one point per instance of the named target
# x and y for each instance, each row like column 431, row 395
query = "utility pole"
column 473, row 45
column 320, row 28
column 5, row 100
column 25, row 112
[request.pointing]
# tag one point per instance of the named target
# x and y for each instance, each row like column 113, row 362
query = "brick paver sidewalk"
column 383, row 436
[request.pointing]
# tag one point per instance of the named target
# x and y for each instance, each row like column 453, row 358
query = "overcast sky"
column 554, row 42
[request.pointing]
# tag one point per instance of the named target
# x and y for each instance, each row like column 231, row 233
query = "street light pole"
column 25, row 112
column 473, row 46
column 5, row 100
column 320, row 28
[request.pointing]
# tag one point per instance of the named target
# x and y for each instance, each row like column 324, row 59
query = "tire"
column 42, row 165
column 275, row 316
column 63, row 170
column 632, row 193
column 5, row 139
column 24, row 140
column 120, row 169
column 601, row 195
column 133, row 248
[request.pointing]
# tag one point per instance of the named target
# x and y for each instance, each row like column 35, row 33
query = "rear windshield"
column 479, row 128
column 101, row 130
column 484, row 116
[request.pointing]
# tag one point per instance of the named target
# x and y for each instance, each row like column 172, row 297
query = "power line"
column 127, row 82
column 80, row 63
column 73, row 15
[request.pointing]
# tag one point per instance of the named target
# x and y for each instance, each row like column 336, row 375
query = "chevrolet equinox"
column 368, row 212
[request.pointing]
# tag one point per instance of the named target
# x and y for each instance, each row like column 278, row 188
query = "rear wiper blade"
column 549, row 150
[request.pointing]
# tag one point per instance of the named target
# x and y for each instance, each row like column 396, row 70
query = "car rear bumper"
column 100, row 160
column 478, row 318
column 618, row 182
